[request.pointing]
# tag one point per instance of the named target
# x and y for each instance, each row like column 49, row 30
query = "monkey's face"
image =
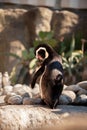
column 41, row 54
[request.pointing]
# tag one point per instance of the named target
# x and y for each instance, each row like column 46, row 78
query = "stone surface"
column 15, row 100
column 22, row 89
column 37, row 21
column 25, row 117
column 6, row 79
column 63, row 23
column 67, row 97
column 7, row 89
column 77, row 89
column 82, row 99
column 83, row 84
column 12, row 36
column 0, row 80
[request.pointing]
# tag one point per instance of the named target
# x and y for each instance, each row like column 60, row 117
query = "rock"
column 65, row 86
column 2, row 102
column 7, row 89
column 1, row 91
column 0, row 80
column 17, row 86
column 35, row 90
column 67, row 97
column 28, row 89
column 82, row 99
column 6, row 79
column 27, row 101
column 70, row 20
column 71, row 94
column 25, row 117
column 83, row 84
column 15, row 100
column 31, row 101
column 25, row 95
column 77, row 89
column 22, row 89
column 8, row 96
column 12, row 36
column 64, row 100
column 37, row 19
column 82, row 91
column 74, row 88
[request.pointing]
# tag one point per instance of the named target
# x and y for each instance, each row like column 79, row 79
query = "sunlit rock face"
column 64, row 22
column 12, row 36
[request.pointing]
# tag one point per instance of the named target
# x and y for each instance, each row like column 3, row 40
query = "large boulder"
column 38, row 19
column 63, row 23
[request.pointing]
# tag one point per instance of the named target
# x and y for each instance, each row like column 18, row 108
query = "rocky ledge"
column 25, row 117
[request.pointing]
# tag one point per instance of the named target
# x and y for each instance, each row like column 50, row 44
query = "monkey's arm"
column 37, row 74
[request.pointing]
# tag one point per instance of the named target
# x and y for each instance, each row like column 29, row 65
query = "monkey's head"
column 43, row 51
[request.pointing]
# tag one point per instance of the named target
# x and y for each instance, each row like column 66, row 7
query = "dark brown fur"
column 51, row 81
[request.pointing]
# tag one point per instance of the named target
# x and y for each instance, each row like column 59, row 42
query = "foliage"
column 26, row 61
column 72, row 57
column 45, row 37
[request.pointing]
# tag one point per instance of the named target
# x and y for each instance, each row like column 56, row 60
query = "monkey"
column 51, row 72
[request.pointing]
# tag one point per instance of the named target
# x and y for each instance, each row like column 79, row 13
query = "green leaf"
column 72, row 45
column 45, row 35
column 25, row 54
column 32, row 63
column 36, row 43
column 31, row 53
column 42, row 35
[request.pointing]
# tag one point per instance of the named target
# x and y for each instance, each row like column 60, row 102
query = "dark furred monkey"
column 51, row 71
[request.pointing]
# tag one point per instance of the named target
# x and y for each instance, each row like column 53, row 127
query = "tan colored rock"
column 83, row 84
column 37, row 19
column 67, row 97
column 12, row 36
column 63, row 23
column 8, row 96
column 25, row 117
column 81, row 99
column 15, row 100
column 0, row 80
column 22, row 89
column 77, row 89
column 70, row 94
column 6, row 79
column 7, row 89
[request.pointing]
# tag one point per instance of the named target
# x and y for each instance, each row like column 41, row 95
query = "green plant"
column 45, row 37
column 70, row 52
column 26, row 61
column 72, row 57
